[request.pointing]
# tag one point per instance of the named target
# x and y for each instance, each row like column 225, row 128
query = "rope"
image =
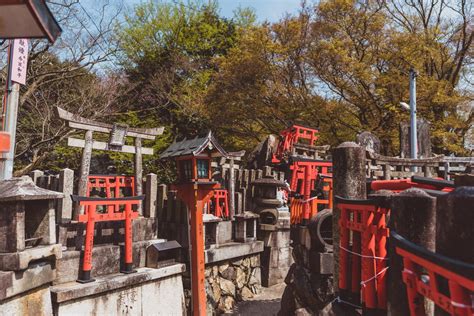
column 363, row 283
column 339, row 300
column 460, row 305
column 362, row 256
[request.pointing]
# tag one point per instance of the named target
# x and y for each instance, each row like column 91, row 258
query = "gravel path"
column 265, row 303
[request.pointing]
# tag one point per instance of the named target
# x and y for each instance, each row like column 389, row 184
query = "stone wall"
column 230, row 281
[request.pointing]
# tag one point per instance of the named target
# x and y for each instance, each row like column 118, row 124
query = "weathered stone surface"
column 246, row 293
column 226, row 304
column 132, row 294
column 35, row 302
column 23, row 189
column 73, row 290
column 151, row 190
column 216, row 291
column 229, row 273
column 237, row 262
column 227, row 287
column 240, row 277
column 349, row 181
column 321, row 263
column 223, row 267
column 254, row 261
column 215, row 271
column 278, row 238
column 19, row 260
column 66, row 186
column 233, row 250
column 105, row 260
column 369, row 141
column 22, row 281
column 413, row 216
column 224, row 232
column 302, row 312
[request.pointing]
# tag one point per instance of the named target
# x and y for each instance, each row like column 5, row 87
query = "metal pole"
column 9, row 120
column 413, row 126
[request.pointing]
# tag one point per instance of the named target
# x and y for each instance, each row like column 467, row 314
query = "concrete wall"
column 148, row 292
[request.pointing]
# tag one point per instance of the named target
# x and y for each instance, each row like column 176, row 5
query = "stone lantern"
column 274, row 228
column 27, row 223
column 195, row 187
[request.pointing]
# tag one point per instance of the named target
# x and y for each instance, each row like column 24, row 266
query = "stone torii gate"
column 117, row 133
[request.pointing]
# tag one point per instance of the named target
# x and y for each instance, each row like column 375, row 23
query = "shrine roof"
column 194, row 147
column 23, row 189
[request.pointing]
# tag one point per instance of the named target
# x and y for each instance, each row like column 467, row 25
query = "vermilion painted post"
column 344, row 256
column 197, row 259
column 89, row 244
column 356, row 268
column 381, row 243
column 128, row 239
column 307, row 193
column 415, row 300
column 368, row 263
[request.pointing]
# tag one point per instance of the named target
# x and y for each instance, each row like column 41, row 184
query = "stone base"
column 71, row 235
column 14, row 283
column 275, row 265
column 232, row 250
column 277, row 238
column 147, row 292
column 34, row 302
column 106, row 259
column 16, row 261
column 321, row 262
column 224, row 232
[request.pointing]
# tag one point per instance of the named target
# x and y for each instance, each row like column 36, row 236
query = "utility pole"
column 413, row 126
column 9, row 119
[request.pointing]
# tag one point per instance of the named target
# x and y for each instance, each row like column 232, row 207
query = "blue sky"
column 271, row 10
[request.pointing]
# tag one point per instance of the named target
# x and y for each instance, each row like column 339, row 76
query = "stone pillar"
column 348, row 182
column 454, row 233
column 35, row 174
column 231, row 193
column 413, row 216
column 151, row 195
column 84, row 173
column 66, row 186
column 138, row 171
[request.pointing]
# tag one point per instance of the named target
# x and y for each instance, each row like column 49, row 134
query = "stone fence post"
column 413, row 216
column 348, row 182
column 66, row 186
column 151, row 191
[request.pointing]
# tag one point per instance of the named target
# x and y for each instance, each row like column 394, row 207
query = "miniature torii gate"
column 117, row 132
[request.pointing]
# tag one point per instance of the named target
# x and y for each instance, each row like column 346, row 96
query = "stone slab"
column 103, row 285
column 321, row 262
column 278, row 238
column 159, row 297
column 106, row 259
column 16, row 261
column 31, row 303
column 72, row 234
column 233, row 250
column 224, row 232
column 22, row 281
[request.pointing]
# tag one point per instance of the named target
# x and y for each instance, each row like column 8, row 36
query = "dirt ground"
column 265, row 303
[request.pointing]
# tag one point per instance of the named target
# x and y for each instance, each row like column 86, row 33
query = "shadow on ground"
column 256, row 307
